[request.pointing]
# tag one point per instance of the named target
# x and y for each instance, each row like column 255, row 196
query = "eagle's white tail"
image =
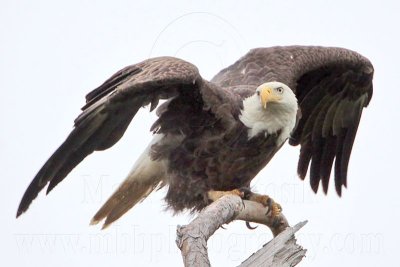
column 144, row 177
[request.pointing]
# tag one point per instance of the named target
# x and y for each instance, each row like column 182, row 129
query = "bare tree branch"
column 281, row 251
column 192, row 238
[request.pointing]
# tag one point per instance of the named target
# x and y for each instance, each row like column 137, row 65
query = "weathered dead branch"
column 280, row 251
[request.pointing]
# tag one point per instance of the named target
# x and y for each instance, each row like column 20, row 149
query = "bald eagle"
column 218, row 134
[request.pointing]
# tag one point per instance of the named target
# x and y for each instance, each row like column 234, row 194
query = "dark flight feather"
column 107, row 114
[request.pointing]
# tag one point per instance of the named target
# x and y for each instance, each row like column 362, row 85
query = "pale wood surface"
column 280, row 251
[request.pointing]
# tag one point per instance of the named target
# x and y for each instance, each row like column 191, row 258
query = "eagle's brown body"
column 225, row 163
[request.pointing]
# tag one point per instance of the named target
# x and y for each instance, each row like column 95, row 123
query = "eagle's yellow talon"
column 275, row 209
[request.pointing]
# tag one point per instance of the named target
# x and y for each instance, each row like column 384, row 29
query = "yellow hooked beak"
column 268, row 95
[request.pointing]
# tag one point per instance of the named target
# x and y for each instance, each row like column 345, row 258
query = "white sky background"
column 53, row 54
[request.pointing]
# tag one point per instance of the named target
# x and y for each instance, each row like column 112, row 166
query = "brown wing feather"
column 108, row 112
column 332, row 85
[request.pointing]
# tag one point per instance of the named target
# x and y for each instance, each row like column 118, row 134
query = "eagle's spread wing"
column 332, row 85
column 108, row 111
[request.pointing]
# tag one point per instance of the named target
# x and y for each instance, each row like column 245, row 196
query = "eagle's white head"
column 271, row 109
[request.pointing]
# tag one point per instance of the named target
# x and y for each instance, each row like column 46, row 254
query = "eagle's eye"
column 279, row 90
column 258, row 93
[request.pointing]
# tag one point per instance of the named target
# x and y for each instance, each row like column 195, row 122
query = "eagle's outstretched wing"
column 108, row 111
column 332, row 85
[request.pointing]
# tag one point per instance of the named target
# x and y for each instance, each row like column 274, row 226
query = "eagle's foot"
column 214, row 195
column 274, row 208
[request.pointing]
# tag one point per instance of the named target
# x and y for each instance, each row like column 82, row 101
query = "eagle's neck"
column 276, row 117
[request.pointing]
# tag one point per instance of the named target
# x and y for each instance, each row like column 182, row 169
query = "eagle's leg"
column 214, row 195
column 274, row 208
